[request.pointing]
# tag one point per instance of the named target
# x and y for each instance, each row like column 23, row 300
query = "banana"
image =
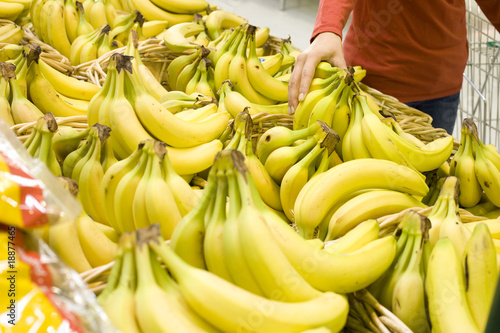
column 213, row 248
column 111, row 180
column 236, row 102
column 71, row 20
column 10, row 10
column 201, row 289
column 283, row 158
column 192, row 160
column 188, row 237
column 324, row 110
column 445, row 289
column 98, row 14
column 47, row 99
column 117, row 299
column 74, row 157
column 91, row 175
column 154, row 28
column 125, row 191
column 160, row 209
column 103, row 97
column 269, row 264
column 127, row 130
column 320, row 268
column 5, row 110
column 64, row 241
column 98, row 248
column 299, row 174
column 151, row 13
column 223, row 60
column 239, row 269
column 238, row 74
column 23, row 111
column 163, row 125
column 480, row 268
column 67, row 85
column 218, row 20
column 187, row 74
column 280, row 136
column 56, row 28
column 370, row 205
column 317, row 197
column 446, row 222
column 408, row 295
column 84, row 27
column 177, row 65
column 464, row 170
column 376, row 137
column 184, row 195
column 359, row 236
column 14, row 36
column 304, row 108
column 199, row 114
column 260, row 79
column 175, row 36
column 182, row 7
column 358, row 142
column 272, row 64
column 426, row 158
column 487, row 173
column 156, row 311
column 152, row 85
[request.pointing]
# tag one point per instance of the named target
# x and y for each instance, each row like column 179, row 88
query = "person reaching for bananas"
column 415, row 51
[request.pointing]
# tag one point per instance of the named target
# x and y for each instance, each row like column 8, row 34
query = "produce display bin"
column 480, row 96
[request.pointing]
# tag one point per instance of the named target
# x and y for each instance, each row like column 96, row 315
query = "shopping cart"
column 480, row 96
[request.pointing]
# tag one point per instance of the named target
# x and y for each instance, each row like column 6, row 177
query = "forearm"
column 332, row 16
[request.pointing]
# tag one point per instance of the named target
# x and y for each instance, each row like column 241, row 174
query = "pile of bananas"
column 215, row 223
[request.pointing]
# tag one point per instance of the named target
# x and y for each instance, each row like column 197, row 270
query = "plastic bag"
column 41, row 294
column 30, row 195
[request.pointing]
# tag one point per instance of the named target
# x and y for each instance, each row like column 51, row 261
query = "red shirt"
column 412, row 49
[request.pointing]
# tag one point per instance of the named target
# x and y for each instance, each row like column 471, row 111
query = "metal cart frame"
column 480, row 96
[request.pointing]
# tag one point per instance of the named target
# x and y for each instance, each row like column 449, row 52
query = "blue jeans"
column 442, row 110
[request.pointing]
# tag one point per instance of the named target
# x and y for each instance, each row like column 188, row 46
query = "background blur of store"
column 481, row 90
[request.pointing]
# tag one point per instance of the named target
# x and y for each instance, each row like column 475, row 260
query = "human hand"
column 326, row 46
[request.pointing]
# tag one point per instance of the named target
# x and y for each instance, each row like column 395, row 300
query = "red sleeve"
column 332, row 16
column 491, row 8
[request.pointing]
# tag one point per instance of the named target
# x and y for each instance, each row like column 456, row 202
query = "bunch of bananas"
column 249, row 245
column 112, row 108
column 15, row 10
column 130, row 189
column 477, row 166
column 85, row 165
column 48, row 89
column 317, row 200
column 82, row 243
column 11, row 33
column 401, row 288
column 39, row 142
column 234, row 102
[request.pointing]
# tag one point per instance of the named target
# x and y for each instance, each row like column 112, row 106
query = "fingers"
column 307, row 75
column 294, row 84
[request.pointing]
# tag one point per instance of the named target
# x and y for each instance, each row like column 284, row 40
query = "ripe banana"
column 201, row 289
column 359, row 236
column 218, row 20
column 445, row 289
column 369, row 205
column 98, row 248
column 175, row 36
column 464, row 169
column 163, row 125
column 321, row 193
column 480, row 268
